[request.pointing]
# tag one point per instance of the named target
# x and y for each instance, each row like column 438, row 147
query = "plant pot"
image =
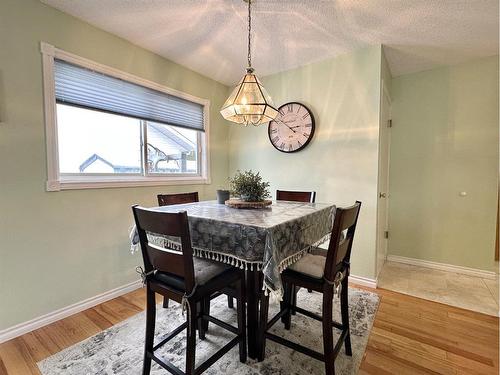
column 222, row 196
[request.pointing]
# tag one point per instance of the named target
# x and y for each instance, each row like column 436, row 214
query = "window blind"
column 75, row 85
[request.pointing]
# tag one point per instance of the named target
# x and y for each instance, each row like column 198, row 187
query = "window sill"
column 135, row 181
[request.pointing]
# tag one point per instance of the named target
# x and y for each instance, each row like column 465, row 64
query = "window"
column 171, row 149
column 95, row 142
column 106, row 128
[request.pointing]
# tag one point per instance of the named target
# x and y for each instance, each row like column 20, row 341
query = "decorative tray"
column 238, row 203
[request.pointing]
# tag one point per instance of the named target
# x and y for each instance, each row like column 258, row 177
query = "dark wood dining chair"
column 178, row 198
column 186, row 280
column 324, row 275
column 296, row 196
column 181, row 198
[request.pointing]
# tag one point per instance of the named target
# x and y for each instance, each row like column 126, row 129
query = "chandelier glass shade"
column 249, row 103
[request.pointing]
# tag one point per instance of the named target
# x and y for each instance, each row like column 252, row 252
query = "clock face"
column 292, row 129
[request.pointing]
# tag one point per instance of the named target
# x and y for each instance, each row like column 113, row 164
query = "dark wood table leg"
column 253, row 297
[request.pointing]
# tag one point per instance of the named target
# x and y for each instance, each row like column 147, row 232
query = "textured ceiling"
column 209, row 36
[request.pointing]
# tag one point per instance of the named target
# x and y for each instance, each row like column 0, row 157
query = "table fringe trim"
column 288, row 261
column 228, row 259
column 245, row 264
column 277, row 295
column 217, row 256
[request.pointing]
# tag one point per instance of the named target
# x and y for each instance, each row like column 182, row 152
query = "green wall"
column 59, row 248
column 445, row 141
column 341, row 162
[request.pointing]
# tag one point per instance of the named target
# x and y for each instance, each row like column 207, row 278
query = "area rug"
column 119, row 349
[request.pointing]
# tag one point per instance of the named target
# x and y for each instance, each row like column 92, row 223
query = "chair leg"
column 206, row 310
column 191, row 339
column 293, row 301
column 201, row 322
column 165, row 302
column 150, row 330
column 286, row 304
column 327, row 331
column 230, row 302
column 344, row 309
column 264, row 310
column 283, row 303
column 242, row 321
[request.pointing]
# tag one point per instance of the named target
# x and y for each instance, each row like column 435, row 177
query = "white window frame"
column 57, row 181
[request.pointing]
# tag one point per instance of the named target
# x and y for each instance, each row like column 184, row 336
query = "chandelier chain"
column 249, row 34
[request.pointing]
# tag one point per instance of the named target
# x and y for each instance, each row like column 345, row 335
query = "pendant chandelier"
column 249, row 103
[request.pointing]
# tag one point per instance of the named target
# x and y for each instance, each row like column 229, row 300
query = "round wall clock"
column 292, row 129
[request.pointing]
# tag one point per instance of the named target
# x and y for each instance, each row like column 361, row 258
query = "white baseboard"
column 443, row 267
column 23, row 328
column 41, row 321
column 363, row 281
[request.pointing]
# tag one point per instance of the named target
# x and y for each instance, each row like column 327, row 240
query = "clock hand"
column 286, row 125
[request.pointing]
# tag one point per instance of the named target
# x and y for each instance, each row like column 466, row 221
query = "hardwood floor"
column 415, row 336
column 409, row 336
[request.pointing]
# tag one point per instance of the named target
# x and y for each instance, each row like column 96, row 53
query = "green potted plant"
column 249, row 187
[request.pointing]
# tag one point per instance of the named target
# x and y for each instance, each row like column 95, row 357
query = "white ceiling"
column 209, row 36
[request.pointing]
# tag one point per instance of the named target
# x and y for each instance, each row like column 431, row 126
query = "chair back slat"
column 349, row 218
column 156, row 258
column 169, row 199
column 296, row 196
column 339, row 249
column 166, row 260
column 157, row 222
column 342, row 250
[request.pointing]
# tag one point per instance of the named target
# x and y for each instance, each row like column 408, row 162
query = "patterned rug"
column 119, row 349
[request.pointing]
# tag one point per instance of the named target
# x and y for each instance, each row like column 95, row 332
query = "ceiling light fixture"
column 249, row 103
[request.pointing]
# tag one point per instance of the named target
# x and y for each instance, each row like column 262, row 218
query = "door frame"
column 384, row 96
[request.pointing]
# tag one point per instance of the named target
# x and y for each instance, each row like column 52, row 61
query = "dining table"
column 263, row 242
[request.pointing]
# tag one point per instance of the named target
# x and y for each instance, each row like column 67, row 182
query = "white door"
column 383, row 180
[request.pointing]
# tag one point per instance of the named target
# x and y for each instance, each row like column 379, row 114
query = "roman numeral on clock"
column 276, row 139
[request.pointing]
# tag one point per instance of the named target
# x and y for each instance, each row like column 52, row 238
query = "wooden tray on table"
column 238, row 203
